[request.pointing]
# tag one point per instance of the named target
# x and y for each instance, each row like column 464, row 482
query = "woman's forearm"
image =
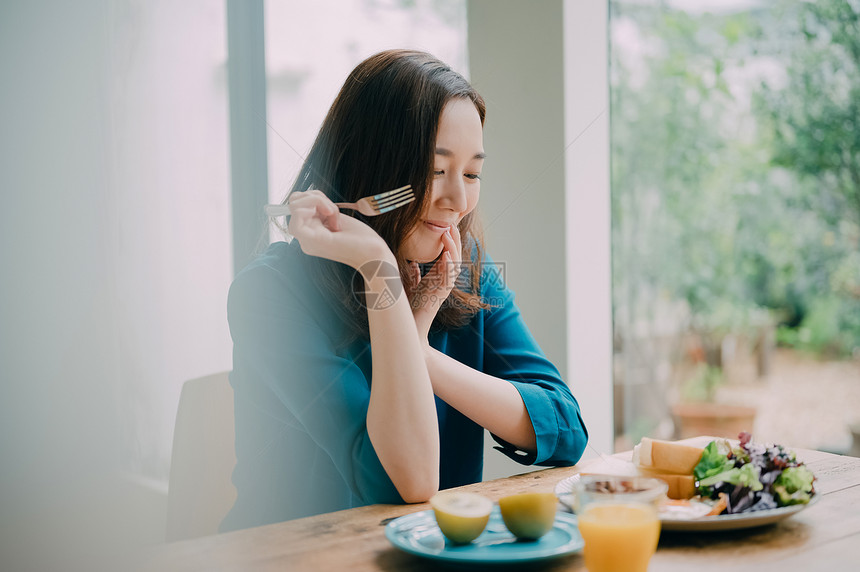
column 489, row 401
column 401, row 417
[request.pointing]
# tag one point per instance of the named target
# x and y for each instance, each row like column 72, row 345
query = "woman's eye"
column 438, row 173
column 473, row 176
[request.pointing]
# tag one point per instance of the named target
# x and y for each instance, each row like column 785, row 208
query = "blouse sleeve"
column 325, row 395
column 512, row 353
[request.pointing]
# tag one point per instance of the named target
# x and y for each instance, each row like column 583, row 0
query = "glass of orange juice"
column 618, row 521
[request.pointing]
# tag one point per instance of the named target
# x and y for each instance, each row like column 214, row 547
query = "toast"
column 666, row 457
column 680, row 486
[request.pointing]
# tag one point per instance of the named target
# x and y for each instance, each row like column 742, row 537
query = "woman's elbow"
column 419, row 491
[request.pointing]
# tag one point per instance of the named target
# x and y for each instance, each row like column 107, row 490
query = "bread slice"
column 666, row 457
column 680, row 486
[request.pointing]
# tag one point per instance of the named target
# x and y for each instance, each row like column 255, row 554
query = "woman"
column 370, row 352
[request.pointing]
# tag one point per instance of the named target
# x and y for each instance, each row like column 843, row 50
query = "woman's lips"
column 437, row 226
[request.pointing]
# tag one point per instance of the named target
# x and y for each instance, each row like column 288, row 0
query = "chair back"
column 200, row 492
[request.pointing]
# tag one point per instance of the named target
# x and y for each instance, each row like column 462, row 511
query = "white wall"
column 541, row 66
column 59, row 419
column 587, row 214
column 516, row 61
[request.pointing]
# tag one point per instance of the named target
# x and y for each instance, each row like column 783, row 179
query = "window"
column 169, row 210
column 736, row 221
column 312, row 46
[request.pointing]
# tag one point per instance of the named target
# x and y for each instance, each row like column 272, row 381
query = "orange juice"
column 618, row 536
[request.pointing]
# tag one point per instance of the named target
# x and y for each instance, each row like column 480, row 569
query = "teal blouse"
column 301, row 401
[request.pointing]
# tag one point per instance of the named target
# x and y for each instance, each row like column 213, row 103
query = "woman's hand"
column 322, row 230
column 427, row 294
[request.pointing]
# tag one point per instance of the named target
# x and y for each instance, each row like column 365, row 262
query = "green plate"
column 418, row 534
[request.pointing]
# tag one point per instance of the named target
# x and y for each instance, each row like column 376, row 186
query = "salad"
column 752, row 476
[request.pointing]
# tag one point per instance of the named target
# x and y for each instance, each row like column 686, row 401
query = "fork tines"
column 390, row 200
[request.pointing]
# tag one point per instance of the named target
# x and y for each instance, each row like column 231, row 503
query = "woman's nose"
column 451, row 193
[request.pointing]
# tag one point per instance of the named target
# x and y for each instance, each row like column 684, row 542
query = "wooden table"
column 826, row 536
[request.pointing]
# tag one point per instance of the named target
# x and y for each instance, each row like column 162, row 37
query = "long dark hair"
column 380, row 134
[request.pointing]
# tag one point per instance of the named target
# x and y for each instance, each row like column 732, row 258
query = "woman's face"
column 456, row 183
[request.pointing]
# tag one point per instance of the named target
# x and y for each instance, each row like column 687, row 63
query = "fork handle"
column 277, row 210
column 284, row 210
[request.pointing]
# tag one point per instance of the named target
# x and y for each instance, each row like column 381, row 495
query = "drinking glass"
column 618, row 520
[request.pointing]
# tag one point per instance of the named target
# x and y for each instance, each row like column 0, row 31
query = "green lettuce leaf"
column 747, row 476
column 714, row 460
column 793, row 486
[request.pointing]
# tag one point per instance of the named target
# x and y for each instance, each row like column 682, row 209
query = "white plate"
column 721, row 522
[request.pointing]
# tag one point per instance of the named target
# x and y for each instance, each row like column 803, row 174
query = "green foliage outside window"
column 736, row 167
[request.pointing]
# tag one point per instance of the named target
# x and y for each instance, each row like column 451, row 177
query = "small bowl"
column 617, row 489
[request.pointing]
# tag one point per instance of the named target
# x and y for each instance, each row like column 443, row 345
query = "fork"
column 368, row 206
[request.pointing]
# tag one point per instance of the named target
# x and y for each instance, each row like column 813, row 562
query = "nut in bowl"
column 529, row 515
column 619, row 489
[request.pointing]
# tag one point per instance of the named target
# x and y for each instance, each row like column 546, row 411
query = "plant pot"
column 712, row 419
